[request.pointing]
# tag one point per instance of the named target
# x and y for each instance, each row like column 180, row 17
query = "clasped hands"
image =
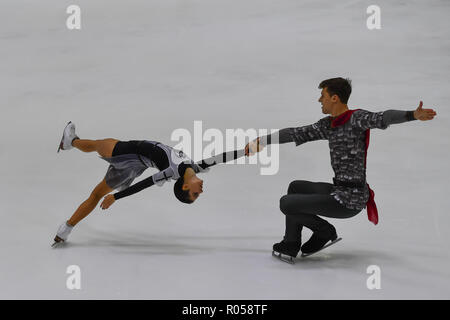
column 253, row 147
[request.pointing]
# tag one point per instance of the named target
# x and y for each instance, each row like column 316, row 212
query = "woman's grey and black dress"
column 131, row 158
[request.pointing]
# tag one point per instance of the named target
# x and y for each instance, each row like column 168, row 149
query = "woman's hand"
column 107, row 201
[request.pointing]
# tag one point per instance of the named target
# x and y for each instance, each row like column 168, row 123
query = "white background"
column 141, row 69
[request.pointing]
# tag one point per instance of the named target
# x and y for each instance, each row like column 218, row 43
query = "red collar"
column 342, row 118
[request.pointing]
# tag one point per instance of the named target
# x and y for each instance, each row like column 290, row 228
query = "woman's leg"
column 88, row 205
column 104, row 147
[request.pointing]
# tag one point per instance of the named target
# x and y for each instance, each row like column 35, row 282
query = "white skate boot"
column 68, row 136
column 62, row 234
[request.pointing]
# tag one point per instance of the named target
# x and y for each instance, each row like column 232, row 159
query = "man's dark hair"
column 338, row 86
column 182, row 195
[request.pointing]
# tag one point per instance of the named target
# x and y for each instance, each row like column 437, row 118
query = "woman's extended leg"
column 104, row 147
column 88, row 205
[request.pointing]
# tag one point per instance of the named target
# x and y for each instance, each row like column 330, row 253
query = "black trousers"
column 304, row 202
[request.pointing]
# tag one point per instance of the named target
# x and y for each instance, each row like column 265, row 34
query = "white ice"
column 141, row 69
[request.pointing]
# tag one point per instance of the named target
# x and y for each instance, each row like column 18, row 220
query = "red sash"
column 372, row 211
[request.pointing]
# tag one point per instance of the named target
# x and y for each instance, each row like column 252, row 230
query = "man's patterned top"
column 347, row 150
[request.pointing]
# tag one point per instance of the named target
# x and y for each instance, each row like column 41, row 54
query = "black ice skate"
column 319, row 241
column 289, row 249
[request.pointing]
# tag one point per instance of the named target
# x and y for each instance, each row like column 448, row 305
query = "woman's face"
column 195, row 186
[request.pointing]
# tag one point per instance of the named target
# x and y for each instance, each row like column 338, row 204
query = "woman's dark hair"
column 182, row 195
column 338, row 86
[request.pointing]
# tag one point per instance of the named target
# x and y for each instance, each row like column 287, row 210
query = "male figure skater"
column 348, row 133
column 128, row 160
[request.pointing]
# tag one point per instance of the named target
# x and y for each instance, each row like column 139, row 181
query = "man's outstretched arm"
column 299, row 135
column 382, row 120
column 396, row 116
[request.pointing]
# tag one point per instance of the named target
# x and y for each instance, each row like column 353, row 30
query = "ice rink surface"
column 141, row 69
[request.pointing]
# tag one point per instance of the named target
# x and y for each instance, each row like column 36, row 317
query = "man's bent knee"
column 291, row 188
column 298, row 186
column 284, row 200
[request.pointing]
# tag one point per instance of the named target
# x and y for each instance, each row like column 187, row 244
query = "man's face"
column 327, row 101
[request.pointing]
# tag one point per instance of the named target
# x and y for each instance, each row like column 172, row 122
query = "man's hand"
column 107, row 201
column 253, row 147
column 424, row 114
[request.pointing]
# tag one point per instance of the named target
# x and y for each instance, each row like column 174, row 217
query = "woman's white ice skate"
column 62, row 234
column 67, row 137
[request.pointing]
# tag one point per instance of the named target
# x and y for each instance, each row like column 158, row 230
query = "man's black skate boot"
column 287, row 248
column 319, row 239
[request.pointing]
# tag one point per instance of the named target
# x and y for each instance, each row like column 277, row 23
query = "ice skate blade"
column 58, row 242
column 279, row 256
column 304, row 255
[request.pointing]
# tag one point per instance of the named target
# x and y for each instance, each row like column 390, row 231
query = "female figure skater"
column 128, row 160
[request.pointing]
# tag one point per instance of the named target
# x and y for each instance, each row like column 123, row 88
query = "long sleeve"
column 380, row 120
column 299, row 135
column 312, row 132
column 158, row 178
column 397, row 116
column 282, row 136
column 221, row 158
column 148, row 182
